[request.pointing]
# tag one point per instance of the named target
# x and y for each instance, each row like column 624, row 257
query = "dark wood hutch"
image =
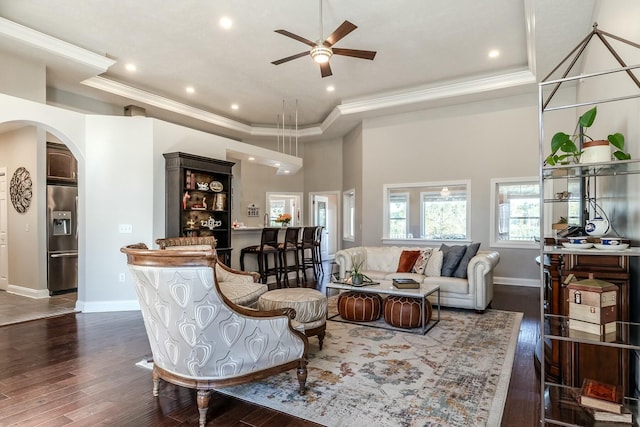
column 198, row 199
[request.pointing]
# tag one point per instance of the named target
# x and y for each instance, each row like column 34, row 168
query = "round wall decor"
column 20, row 189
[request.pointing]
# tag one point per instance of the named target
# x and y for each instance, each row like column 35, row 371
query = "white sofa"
column 381, row 263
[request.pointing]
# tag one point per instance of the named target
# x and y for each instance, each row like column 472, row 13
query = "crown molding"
column 57, row 47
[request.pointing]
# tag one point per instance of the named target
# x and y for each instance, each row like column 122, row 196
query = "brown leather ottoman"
column 404, row 312
column 359, row 307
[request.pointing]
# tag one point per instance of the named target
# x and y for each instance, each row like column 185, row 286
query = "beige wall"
column 19, row 148
column 24, row 79
column 352, row 169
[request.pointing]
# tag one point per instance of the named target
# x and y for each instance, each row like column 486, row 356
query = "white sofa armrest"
column 345, row 257
column 480, row 276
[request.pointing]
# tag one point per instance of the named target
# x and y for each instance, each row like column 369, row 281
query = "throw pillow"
column 451, row 258
column 434, row 265
column 407, row 259
column 421, row 262
column 470, row 252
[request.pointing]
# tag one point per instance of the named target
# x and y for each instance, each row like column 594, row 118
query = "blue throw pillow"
column 470, row 252
column 451, row 258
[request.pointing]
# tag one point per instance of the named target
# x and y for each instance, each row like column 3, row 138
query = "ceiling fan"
column 321, row 51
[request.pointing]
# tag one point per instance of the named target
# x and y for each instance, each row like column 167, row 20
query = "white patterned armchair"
column 199, row 338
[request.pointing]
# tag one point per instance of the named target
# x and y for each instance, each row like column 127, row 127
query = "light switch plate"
column 125, row 228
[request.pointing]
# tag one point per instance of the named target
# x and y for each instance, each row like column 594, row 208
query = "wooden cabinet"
column 61, row 164
column 198, row 199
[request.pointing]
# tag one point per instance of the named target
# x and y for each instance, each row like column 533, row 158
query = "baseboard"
column 516, row 281
column 106, row 306
column 28, row 292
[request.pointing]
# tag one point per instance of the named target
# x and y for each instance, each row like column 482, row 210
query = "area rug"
column 456, row 375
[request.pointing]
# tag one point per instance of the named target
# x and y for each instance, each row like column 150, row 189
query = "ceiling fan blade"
column 355, row 53
column 290, row 58
column 345, row 28
column 296, row 37
column 325, row 69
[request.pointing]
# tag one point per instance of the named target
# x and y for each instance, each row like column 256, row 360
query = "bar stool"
column 317, row 251
column 268, row 246
column 290, row 245
column 306, row 244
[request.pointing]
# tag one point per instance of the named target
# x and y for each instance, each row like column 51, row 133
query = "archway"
column 23, row 142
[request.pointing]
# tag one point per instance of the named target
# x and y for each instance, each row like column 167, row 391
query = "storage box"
column 593, row 328
column 593, row 300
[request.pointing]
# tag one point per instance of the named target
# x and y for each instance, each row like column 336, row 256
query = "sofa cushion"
column 243, row 293
column 383, row 258
column 449, row 284
column 407, row 259
column 434, row 265
column 470, row 252
column 421, row 262
column 451, row 258
column 375, row 275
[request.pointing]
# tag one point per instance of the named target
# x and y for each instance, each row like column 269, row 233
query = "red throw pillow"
column 407, row 259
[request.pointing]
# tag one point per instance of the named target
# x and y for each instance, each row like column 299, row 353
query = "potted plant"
column 357, row 277
column 566, row 144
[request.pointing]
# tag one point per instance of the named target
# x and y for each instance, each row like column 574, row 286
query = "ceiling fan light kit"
column 321, row 54
column 322, row 51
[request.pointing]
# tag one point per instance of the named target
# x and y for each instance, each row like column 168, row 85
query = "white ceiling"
column 429, row 52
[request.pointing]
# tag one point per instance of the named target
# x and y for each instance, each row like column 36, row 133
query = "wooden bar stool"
column 268, row 247
column 290, row 245
column 317, row 251
column 306, row 244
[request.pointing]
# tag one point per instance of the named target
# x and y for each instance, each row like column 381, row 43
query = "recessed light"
column 286, row 172
column 330, row 88
column 234, row 106
column 252, row 158
column 277, row 164
column 226, row 22
column 494, row 53
column 131, row 67
column 190, row 89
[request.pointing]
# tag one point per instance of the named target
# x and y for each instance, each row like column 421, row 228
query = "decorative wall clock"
column 20, row 189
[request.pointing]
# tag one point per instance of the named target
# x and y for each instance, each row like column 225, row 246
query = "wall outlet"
column 121, row 277
column 125, row 228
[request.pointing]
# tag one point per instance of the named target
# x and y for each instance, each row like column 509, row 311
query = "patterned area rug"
column 456, row 375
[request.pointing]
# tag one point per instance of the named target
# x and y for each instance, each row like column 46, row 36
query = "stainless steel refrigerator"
column 62, row 238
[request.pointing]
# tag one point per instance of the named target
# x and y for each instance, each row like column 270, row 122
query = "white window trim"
column 345, row 219
column 407, row 218
column 385, row 212
column 493, row 241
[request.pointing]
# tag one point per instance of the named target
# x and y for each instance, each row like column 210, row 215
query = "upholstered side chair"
column 241, row 287
column 198, row 337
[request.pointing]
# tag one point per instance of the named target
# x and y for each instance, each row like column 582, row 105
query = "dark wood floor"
column 79, row 370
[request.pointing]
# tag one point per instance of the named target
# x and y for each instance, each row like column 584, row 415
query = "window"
column 444, row 212
column 398, row 214
column 427, row 211
column 281, row 203
column 516, row 211
column 349, row 215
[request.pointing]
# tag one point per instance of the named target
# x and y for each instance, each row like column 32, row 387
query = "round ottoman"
column 359, row 307
column 310, row 306
column 404, row 312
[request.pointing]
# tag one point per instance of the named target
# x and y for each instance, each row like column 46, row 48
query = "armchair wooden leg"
column 156, row 381
column 320, row 339
column 302, row 375
column 203, row 405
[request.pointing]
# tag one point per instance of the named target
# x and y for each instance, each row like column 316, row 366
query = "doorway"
column 324, row 212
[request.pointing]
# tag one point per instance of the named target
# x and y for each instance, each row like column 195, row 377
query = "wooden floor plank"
column 79, row 370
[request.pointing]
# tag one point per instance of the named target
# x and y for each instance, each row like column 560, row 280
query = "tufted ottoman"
column 310, row 306
column 404, row 312
column 359, row 306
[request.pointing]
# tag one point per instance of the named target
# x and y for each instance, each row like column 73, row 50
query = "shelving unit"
column 198, row 199
column 566, row 357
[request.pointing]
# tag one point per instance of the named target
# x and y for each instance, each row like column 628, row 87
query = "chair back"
column 317, row 235
column 291, row 237
column 269, row 238
column 194, row 331
column 308, row 236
